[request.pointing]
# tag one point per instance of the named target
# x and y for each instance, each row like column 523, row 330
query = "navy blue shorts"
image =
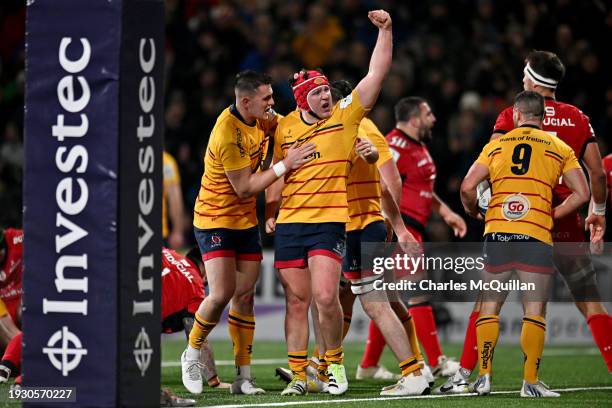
column 294, row 243
column 373, row 232
column 229, row 243
column 507, row 251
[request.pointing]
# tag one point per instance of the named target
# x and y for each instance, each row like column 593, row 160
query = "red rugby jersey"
column 607, row 165
column 418, row 172
column 182, row 286
column 12, row 267
column 563, row 120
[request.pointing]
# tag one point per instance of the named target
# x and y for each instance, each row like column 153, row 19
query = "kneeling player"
column 523, row 166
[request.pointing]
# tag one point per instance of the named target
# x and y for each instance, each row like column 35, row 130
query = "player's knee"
column 219, row 299
column 326, row 298
column 297, row 305
column 245, row 299
column 375, row 310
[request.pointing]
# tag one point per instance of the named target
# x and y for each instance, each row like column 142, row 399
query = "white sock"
column 192, row 353
column 243, row 372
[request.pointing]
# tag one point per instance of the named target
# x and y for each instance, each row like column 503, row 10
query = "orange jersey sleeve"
column 233, row 145
column 363, row 188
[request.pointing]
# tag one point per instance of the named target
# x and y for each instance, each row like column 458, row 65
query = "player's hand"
column 269, row 122
column 270, row 225
column 596, row 225
column 380, row 18
column 297, row 156
column 409, row 244
column 457, row 223
column 366, row 150
column 176, row 240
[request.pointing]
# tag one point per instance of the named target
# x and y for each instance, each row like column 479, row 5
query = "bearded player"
column 408, row 143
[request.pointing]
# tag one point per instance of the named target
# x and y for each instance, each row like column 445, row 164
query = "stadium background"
column 465, row 57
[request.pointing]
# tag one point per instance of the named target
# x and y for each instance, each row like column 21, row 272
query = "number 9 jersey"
column 524, row 166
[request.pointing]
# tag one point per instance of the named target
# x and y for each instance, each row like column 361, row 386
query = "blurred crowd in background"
column 465, row 56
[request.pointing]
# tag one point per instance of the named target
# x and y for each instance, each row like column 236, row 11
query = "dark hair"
column 248, row 81
column 408, row 107
column 194, row 255
column 530, row 103
column 340, row 89
column 547, row 64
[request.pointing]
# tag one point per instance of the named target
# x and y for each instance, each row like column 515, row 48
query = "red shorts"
column 569, row 229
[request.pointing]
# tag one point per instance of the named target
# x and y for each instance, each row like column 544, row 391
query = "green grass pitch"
column 562, row 368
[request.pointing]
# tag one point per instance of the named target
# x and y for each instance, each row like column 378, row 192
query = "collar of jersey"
column 531, row 126
column 407, row 136
column 234, row 111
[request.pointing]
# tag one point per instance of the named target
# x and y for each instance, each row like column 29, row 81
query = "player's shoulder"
column 397, row 138
column 290, row 119
column 566, row 109
column 368, row 127
column 13, row 236
column 608, row 161
column 506, row 111
column 557, row 142
column 168, row 160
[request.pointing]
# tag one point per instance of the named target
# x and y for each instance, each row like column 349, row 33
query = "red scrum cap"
column 305, row 82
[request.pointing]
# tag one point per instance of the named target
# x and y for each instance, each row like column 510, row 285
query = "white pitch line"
column 571, row 352
column 257, row 361
column 341, row 401
column 283, row 362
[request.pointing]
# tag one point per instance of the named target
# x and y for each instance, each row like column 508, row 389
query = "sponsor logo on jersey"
column 515, row 207
column 346, row 101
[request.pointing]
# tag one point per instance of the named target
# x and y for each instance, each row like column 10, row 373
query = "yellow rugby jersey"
column 363, row 188
column 171, row 177
column 233, row 145
column 524, row 165
column 316, row 192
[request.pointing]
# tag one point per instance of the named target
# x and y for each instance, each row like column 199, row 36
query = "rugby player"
column 524, row 166
column 366, row 201
column 225, row 223
column 542, row 73
column 408, row 143
column 310, row 228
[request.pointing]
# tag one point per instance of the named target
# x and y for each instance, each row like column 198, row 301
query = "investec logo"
column 143, row 302
column 71, row 199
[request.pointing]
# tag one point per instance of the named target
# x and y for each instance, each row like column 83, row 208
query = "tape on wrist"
column 279, row 169
column 599, row 209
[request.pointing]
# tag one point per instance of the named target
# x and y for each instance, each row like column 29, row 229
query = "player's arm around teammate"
column 225, row 223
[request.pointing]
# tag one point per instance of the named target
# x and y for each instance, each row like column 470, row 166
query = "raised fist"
column 380, row 18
